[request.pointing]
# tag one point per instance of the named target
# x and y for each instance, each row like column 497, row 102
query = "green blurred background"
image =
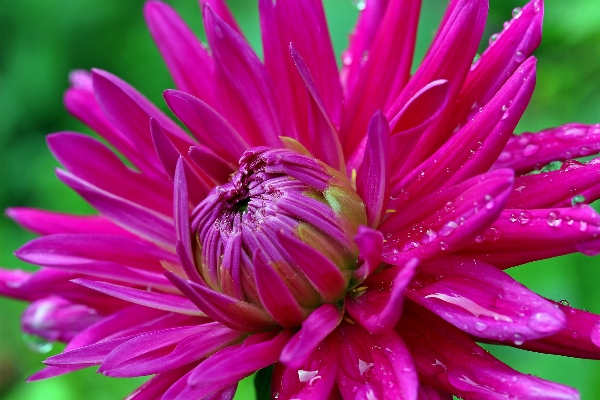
column 42, row 40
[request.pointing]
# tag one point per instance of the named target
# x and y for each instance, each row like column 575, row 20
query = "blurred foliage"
column 42, row 40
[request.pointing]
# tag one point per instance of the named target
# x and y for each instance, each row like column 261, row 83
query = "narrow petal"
column 140, row 220
column 483, row 136
column 370, row 248
column 236, row 362
column 74, row 150
column 323, row 136
column 375, row 366
column 579, row 338
column 324, row 275
column 45, row 222
column 384, row 68
column 70, row 248
column 449, row 58
column 314, row 330
column 376, row 304
column 159, row 384
column 304, row 25
column 275, row 295
column 207, row 125
column 519, row 236
column 188, row 61
column 373, row 178
column 520, row 37
column 159, row 301
column 560, row 188
column 484, row 301
column 220, row 8
column 529, row 151
column 166, row 349
column 231, row 312
column 245, row 90
column 448, row 359
column 455, row 225
column 312, row 380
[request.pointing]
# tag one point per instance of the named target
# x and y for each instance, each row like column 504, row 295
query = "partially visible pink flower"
column 349, row 228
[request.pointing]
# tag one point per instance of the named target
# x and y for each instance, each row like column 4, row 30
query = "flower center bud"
column 275, row 193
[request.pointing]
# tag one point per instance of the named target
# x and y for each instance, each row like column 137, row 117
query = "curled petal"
column 484, row 301
column 370, row 247
column 376, row 304
column 449, row 360
column 374, row 366
column 314, row 330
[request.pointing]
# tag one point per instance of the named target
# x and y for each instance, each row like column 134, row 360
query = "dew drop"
column 218, row 32
column 530, row 149
column 449, row 207
column 537, row 6
column 479, row 239
column 513, row 217
column 347, row 59
column 516, row 12
column 363, row 366
column 493, row 38
column 518, row 339
column 505, row 111
column 543, row 322
column 570, row 134
column 489, row 202
column 444, row 246
column 359, row 4
column 519, row 56
column 430, row 236
column 505, row 156
column 476, row 59
column 564, row 303
column 524, row 217
column 583, row 226
column 554, row 218
column 37, row 343
column 480, row 326
column 448, row 228
column 578, row 200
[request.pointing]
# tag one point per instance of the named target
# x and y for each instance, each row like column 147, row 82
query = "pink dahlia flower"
column 345, row 231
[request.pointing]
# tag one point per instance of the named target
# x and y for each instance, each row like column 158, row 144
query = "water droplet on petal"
column 505, row 111
column 218, row 32
column 570, row 133
column 524, row 217
column 537, row 6
column 578, row 200
column 554, row 218
column 364, row 366
column 519, row 56
column 480, row 326
column 543, row 322
column 564, row 303
column 505, row 156
column 516, row 12
column 430, row 235
column 359, row 4
column 518, row 339
column 448, row 228
column 513, row 217
column 444, row 246
column 493, row 38
column 37, row 343
column 530, row 149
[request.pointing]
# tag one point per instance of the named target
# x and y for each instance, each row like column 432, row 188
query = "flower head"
column 348, row 228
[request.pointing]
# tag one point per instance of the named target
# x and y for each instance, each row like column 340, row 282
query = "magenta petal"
column 45, row 222
column 303, row 24
column 314, row 330
column 323, row 134
column 233, row 363
column 245, row 91
column 220, row 8
column 519, row 236
column 529, row 151
column 166, row 349
column 70, row 248
column 557, row 188
column 275, row 295
column 189, row 63
column 375, row 366
column 207, row 125
column 373, row 178
column 427, row 392
column 484, row 301
column 138, row 219
column 324, row 275
column 74, row 151
column 159, row 384
column 370, row 248
column 450, row 58
column 450, row 360
column 455, row 225
column 520, row 37
column 314, row 379
column 384, row 69
column 159, row 301
column 231, row 312
column 215, row 167
column 376, row 304
column 579, row 338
